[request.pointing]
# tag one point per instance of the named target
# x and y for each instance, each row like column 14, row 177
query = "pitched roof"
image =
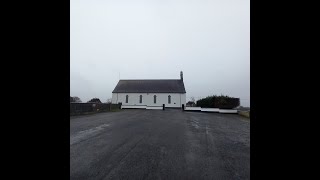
column 150, row 86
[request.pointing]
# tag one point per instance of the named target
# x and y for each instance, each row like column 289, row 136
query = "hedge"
column 223, row 102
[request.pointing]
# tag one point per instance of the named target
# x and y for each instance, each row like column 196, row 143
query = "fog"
column 206, row 39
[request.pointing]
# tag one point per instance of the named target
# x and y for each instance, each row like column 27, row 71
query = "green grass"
column 244, row 113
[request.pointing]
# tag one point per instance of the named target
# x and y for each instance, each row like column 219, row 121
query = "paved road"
column 156, row 144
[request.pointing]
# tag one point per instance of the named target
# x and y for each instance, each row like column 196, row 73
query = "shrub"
column 94, row 100
column 223, row 102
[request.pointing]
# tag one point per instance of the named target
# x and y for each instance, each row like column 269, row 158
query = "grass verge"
column 244, row 113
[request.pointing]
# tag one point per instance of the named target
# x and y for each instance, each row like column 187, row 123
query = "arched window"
column 140, row 98
column 155, row 99
column 127, row 98
column 169, row 99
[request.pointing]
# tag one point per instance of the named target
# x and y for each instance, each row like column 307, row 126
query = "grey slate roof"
column 150, row 86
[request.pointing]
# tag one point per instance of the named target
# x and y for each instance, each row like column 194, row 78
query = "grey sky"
column 209, row 40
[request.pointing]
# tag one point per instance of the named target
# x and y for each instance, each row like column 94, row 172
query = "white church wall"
column 177, row 99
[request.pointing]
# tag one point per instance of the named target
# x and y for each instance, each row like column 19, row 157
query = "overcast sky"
column 209, row 40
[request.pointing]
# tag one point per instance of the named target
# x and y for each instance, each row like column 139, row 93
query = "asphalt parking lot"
column 156, row 144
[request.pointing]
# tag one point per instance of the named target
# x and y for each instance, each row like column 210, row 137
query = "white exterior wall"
column 177, row 99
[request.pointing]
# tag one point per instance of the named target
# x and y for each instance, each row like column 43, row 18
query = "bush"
column 223, row 102
column 94, row 100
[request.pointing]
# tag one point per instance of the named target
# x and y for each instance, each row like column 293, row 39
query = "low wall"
column 210, row 109
column 83, row 108
column 140, row 107
column 229, row 111
column 233, row 111
column 154, row 107
column 193, row 108
column 133, row 107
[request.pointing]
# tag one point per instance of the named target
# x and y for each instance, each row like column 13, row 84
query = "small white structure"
column 150, row 94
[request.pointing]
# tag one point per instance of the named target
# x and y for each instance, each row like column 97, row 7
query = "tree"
column 190, row 104
column 192, row 99
column 94, row 100
column 75, row 99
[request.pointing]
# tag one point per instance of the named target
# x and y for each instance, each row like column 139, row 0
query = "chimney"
column 181, row 75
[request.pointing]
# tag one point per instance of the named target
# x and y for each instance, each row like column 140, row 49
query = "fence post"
column 163, row 106
column 182, row 107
